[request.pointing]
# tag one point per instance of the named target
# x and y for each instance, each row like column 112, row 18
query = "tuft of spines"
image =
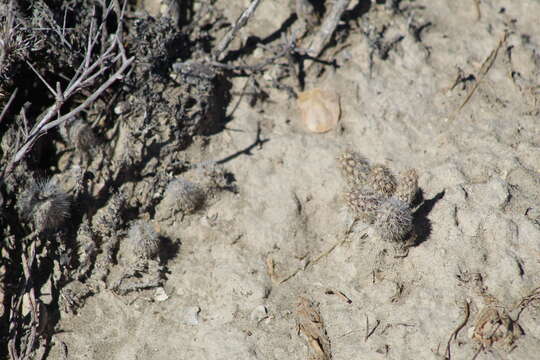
column 45, row 204
column 407, row 186
column 394, row 220
column 144, row 239
column 381, row 180
column 189, row 197
column 363, row 204
column 354, row 168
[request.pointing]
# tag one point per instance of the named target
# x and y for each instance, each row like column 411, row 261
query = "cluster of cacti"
column 377, row 197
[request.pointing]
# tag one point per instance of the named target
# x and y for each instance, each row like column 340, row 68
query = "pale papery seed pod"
column 381, row 180
column 45, row 203
column 407, row 186
column 144, row 239
column 363, row 204
column 394, row 220
column 354, row 168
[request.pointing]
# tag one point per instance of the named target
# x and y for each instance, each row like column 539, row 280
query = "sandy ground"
column 478, row 258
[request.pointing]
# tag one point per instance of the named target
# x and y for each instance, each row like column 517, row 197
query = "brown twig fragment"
column 287, row 48
column 454, row 334
column 327, row 28
column 240, row 23
column 8, row 104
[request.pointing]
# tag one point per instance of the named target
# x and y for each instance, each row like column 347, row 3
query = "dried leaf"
column 311, row 325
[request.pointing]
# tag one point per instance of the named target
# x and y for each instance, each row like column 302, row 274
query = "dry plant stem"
column 287, row 49
column 15, row 319
column 8, row 104
column 486, row 65
column 7, row 33
column 327, row 28
column 85, row 75
column 32, row 296
column 311, row 262
column 454, row 334
column 240, row 23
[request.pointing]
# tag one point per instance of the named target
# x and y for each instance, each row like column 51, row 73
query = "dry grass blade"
column 486, row 65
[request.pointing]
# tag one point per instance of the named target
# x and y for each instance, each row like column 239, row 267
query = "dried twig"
column 287, row 48
column 27, row 344
column 486, row 65
column 86, row 74
column 368, row 331
column 8, row 104
column 454, row 334
column 240, row 23
column 327, row 28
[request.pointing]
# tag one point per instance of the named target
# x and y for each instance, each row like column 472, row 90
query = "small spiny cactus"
column 45, row 203
column 144, row 239
column 354, row 168
column 407, row 186
column 381, row 180
column 394, row 220
column 187, row 196
column 363, row 204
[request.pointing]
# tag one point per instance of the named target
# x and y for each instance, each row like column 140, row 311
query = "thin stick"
column 454, row 333
column 8, row 104
column 327, row 28
column 240, row 23
column 312, row 262
column 486, row 65
column 287, row 48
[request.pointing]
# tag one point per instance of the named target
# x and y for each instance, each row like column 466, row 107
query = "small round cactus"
column 82, row 136
column 354, row 168
column 45, row 203
column 381, row 180
column 144, row 239
column 394, row 220
column 363, row 204
column 185, row 195
column 407, row 186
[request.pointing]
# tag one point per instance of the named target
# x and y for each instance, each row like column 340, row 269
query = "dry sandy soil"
column 447, row 88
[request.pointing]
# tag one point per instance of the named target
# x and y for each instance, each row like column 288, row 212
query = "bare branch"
column 86, row 74
column 240, row 23
column 8, row 104
column 287, row 48
column 328, row 27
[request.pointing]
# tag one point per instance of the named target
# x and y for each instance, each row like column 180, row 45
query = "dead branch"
column 454, row 334
column 27, row 344
column 240, row 23
column 286, row 49
column 8, row 104
column 327, row 28
column 86, row 75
